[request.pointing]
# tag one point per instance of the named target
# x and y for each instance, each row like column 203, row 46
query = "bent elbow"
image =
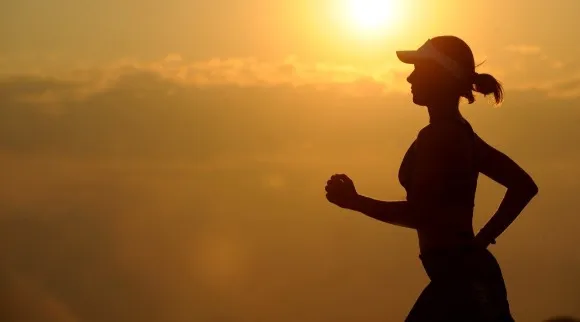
column 525, row 187
column 532, row 190
column 529, row 188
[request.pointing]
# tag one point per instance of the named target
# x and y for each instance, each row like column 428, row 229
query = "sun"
column 373, row 15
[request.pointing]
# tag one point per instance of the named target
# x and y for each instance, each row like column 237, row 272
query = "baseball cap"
column 428, row 51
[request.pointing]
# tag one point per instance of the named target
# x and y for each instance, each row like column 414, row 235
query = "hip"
column 461, row 264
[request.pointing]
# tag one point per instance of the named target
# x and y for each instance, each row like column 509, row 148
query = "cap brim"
column 408, row 56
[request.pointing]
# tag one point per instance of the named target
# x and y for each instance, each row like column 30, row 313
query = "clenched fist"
column 340, row 191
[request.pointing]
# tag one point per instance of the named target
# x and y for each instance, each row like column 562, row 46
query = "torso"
column 449, row 223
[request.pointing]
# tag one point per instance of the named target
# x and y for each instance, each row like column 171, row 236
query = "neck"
column 443, row 112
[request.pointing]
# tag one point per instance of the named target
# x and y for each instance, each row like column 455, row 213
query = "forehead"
column 427, row 64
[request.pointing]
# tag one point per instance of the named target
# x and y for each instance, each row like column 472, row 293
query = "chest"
column 459, row 174
column 406, row 167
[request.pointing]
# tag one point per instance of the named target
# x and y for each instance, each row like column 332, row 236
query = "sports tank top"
column 459, row 186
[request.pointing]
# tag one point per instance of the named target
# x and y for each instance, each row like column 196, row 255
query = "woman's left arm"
column 521, row 188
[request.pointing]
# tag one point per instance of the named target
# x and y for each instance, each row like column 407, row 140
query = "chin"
column 419, row 101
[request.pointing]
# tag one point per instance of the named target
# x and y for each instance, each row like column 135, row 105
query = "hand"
column 480, row 242
column 340, row 191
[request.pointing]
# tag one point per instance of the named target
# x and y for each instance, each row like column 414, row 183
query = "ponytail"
column 487, row 84
column 484, row 84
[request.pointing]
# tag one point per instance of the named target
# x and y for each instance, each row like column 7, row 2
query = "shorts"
column 466, row 286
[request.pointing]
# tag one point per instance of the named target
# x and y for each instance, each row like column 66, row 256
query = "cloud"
column 524, row 49
column 569, row 85
column 562, row 87
column 529, row 67
column 94, row 112
column 537, row 71
column 565, row 88
column 252, row 72
column 245, row 72
column 173, row 58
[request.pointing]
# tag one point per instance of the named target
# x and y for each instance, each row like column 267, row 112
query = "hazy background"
column 166, row 161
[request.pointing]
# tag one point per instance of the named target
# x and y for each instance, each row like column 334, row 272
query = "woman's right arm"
column 392, row 212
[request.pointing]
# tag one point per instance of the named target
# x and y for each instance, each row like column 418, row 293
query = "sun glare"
column 373, row 15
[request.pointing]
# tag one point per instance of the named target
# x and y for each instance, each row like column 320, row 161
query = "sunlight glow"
column 371, row 16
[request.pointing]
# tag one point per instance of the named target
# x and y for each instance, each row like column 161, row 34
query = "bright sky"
column 40, row 32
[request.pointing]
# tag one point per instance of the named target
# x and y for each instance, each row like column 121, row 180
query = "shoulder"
column 484, row 149
column 447, row 141
column 446, row 134
column 434, row 131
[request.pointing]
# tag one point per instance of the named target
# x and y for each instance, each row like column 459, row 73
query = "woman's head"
column 445, row 70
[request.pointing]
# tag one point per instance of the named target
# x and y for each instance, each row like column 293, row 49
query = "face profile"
column 429, row 80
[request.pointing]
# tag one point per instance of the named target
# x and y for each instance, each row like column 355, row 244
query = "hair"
column 458, row 50
column 486, row 84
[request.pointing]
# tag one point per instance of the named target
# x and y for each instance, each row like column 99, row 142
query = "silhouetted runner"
column 439, row 173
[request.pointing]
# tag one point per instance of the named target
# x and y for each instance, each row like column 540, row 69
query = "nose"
column 411, row 77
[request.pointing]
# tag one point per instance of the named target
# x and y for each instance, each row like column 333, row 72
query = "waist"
column 442, row 219
column 437, row 254
column 458, row 195
column 460, row 262
column 438, row 202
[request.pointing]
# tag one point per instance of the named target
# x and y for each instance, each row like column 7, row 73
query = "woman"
column 439, row 173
